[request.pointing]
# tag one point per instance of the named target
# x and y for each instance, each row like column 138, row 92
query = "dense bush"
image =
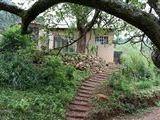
column 12, row 40
column 136, row 74
column 34, row 85
column 135, row 86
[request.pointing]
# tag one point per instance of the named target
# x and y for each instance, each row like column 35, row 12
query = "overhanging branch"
column 146, row 22
column 37, row 8
column 154, row 4
column 130, row 39
column 12, row 9
column 92, row 22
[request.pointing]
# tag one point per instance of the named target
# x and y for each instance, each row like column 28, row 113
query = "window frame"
column 102, row 40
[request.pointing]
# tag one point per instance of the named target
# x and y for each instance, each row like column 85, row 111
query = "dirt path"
column 152, row 114
column 79, row 108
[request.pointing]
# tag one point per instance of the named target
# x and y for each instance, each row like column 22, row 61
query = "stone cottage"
column 101, row 43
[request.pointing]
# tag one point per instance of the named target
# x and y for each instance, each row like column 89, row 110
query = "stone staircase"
column 79, row 108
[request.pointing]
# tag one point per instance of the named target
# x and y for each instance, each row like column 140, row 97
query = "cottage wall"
column 104, row 51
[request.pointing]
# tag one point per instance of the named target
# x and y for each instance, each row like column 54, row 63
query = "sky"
column 15, row 0
column 26, row 5
column 29, row 3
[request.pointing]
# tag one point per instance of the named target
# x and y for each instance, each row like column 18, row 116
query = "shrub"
column 27, row 67
column 34, row 85
column 135, row 86
column 12, row 40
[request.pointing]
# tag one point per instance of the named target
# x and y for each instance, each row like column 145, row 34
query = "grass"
column 44, row 103
column 135, row 86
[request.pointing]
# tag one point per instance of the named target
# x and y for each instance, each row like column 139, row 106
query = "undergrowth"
column 135, row 86
column 33, row 85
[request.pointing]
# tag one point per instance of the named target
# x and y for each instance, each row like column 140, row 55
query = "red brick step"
column 84, row 99
column 88, row 85
column 85, row 91
column 70, row 118
column 84, row 95
column 76, row 114
column 95, row 81
column 81, row 103
column 87, row 88
column 90, row 82
column 79, row 108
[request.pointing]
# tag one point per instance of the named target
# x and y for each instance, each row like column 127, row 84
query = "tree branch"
column 92, row 22
column 12, row 9
column 130, row 14
column 117, row 8
column 37, row 8
column 130, row 39
column 146, row 22
column 154, row 4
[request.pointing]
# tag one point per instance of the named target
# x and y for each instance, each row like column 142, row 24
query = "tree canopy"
column 147, row 22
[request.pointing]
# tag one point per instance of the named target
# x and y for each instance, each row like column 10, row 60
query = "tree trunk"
column 81, row 44
column 156, row 58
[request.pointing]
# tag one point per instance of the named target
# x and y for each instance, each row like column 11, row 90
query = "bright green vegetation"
column 135, row 86
column 34, row 85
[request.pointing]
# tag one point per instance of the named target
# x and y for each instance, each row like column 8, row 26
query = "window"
column 61, row 40
column 101, row 40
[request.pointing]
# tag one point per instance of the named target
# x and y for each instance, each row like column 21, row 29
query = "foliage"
column 34, row 85
column 39, row 103
column 135, row 86
column 81, row 13
column 92, row 49
column 13, row 40
column 138, row 3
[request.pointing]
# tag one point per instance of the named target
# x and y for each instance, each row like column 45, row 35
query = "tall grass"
column 137, row 73
column 135, row 86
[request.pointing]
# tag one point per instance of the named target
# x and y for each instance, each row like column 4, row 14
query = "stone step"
column 82, row 103
column 84, row 99
column 95, row 81
column 102, row 75
column 87, row 88
column 85, row 91
column 90, row 82
column 88, row 85
column 100, row 78
column 72, row 118
column 79, row 108
column 84, row 95
column 77, row 114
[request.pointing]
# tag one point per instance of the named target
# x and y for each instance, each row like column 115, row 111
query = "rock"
column 101, row 97
column 93, row 63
